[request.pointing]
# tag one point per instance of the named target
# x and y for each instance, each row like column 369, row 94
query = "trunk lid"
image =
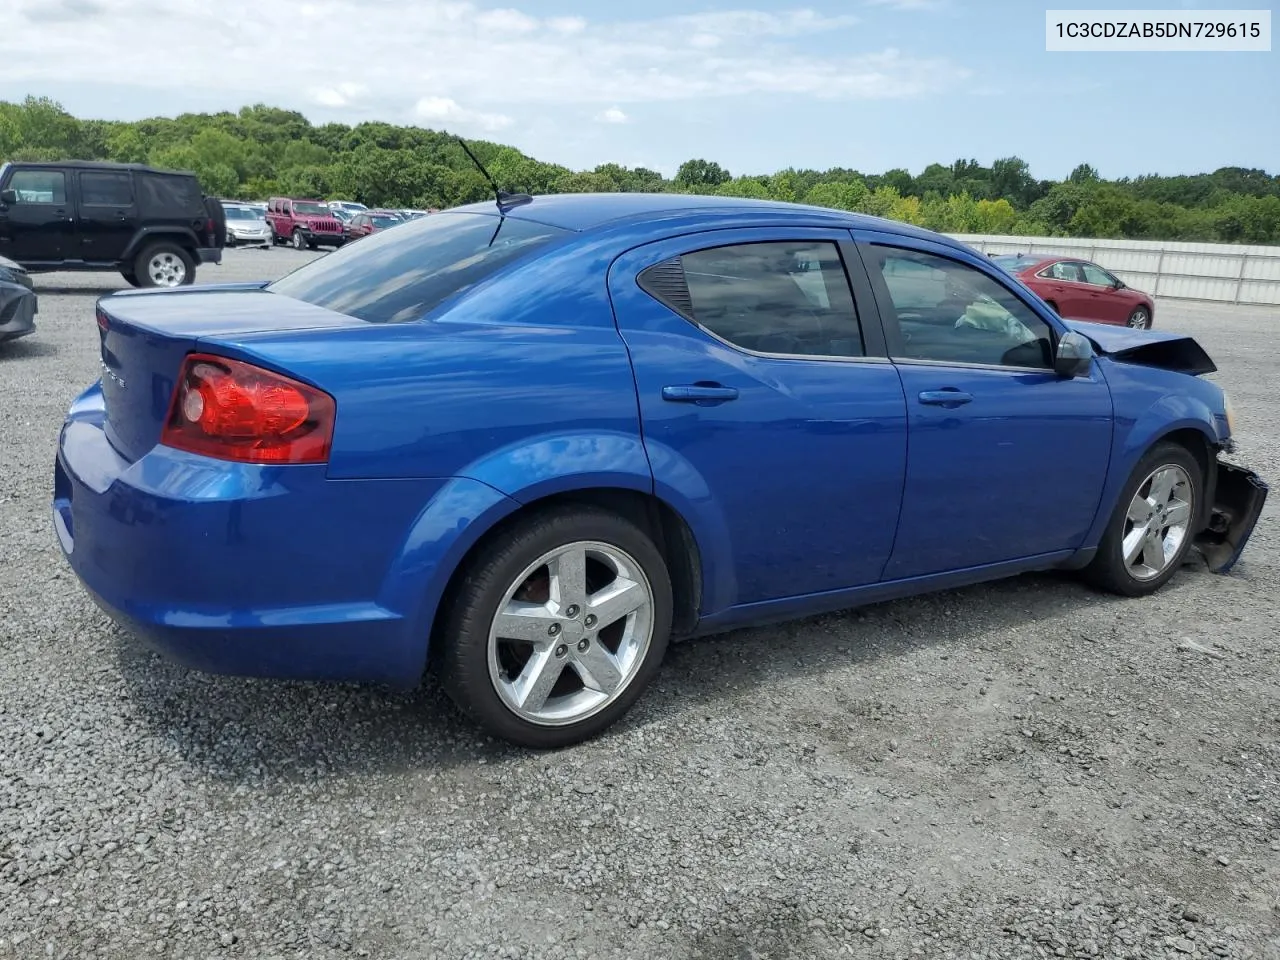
column 144, row 337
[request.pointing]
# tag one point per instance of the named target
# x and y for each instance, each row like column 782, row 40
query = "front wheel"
column 557, row 627
column 1153, row 525
column 299, row 240
column 1140, row 319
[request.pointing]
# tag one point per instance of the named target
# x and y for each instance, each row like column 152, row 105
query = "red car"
column 371, row 221
column 1080, row 290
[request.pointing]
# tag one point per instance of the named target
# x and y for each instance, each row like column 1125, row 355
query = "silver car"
column 18, row 304
column 246, row 227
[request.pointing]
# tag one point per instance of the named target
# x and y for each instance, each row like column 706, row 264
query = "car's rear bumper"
column 1238, row 498
column 241, row 569
column 18, row 307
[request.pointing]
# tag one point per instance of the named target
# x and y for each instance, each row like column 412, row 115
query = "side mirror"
column 8, row 196
column 1117, row 284
column 1075, row 354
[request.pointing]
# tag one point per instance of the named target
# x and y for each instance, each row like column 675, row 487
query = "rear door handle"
column 699, row 393
column 949, row 397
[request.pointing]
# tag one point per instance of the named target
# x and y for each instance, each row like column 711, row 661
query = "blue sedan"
column 525, row 446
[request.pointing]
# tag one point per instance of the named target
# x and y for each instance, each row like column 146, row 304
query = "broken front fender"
column 1239, row 496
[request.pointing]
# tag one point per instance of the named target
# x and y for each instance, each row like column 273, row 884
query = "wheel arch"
column 1195, row 434
column 658, row 519
column 179, row 236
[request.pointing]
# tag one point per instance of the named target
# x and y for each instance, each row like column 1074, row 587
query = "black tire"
column 1108, row 570
column 231, row 241
column 142, row 270
column 460, row 648
column 299, row 240
column 1140, row 319
column 130, row 277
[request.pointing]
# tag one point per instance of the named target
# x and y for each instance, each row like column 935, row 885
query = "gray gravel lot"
column 1020, row 770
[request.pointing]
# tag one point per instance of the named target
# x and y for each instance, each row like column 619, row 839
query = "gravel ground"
column 1019, row 770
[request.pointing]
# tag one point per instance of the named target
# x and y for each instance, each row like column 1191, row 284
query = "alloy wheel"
column 1140, row 319
column 166, row 269
column 1158, row 522
column 571, row 633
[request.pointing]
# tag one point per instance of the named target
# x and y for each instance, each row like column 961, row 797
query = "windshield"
column 310, row 209
column 242, row 213
column 397, row 275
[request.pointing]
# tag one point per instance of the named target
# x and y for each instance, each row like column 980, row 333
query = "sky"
column 756, row 85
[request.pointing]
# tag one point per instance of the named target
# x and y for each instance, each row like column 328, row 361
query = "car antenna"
column 505, row 200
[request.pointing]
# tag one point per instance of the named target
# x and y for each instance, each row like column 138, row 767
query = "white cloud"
column 908, row 4
column 344, row 94
column 612, row 115
column 449, row 61
column 446, row 112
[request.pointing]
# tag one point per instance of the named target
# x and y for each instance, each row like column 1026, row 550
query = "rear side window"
column 784, row 298
column 398, row 275
column 166, row 195
column 106, row 189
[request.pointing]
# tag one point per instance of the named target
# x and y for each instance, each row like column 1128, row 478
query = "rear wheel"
column 1153, row 525
column 1140, row 319
column 557, row 627
column 164, row 265
column 130, row 277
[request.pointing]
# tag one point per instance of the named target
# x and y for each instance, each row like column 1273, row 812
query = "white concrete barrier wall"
column 1218, row 272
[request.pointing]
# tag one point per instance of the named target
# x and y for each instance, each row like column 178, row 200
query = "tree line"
column 263, row 151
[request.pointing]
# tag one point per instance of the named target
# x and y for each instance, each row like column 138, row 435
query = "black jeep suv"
column 153, row 226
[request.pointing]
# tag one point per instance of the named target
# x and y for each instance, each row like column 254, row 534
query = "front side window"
column 394, row 276
column 950, row 312
column 789, row 298
column 39, row 186
column 1096, row 275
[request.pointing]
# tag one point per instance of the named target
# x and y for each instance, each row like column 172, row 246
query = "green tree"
column 701, row 174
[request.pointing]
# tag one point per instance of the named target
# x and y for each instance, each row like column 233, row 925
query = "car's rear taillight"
column 234, row 410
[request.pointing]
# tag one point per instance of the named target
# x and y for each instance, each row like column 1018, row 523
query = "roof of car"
column 586, row 211
column 101, row 165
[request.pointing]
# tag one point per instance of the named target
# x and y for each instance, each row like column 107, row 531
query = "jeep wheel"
column 299, row 240
column 164, row 265
column 130, row 277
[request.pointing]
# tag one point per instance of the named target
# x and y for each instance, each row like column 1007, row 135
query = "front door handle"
column 699, row 393
column 947, row 397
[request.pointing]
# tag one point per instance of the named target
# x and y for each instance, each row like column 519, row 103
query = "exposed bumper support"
column 1239, row 497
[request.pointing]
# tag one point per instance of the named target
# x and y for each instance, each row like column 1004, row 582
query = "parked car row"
column 307, row 224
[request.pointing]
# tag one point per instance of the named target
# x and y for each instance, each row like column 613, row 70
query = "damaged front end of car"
column 1238, row 496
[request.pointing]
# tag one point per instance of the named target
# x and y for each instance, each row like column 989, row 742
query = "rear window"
column 398, row 275
column 1014, row 262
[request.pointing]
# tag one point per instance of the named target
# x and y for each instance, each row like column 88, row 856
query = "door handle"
column 699, row 393
column 947, row 397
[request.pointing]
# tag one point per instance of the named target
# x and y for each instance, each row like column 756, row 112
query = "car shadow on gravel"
column 27, row 348
column 252, row 731
column 79, row 290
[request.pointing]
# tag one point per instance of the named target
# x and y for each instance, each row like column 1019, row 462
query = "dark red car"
column 371, row 221
column 1080, row 290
